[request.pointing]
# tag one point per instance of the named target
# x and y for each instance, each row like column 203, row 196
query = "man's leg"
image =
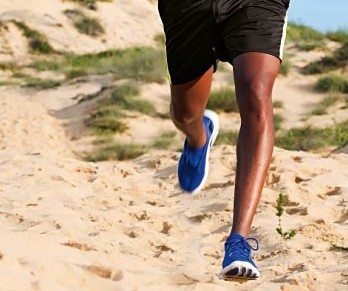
column 254, row 75
column 188, row 102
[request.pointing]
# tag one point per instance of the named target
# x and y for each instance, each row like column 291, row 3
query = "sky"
column 323, row 15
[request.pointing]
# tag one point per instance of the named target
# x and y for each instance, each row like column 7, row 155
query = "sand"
column 67, row 224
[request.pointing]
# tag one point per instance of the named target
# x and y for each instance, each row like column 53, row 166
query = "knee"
column 183, row 117
column 256, row 101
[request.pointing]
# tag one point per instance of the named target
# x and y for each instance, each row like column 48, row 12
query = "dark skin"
column 254, row 75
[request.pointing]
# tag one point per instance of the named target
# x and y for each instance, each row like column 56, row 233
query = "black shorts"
column 199, row 33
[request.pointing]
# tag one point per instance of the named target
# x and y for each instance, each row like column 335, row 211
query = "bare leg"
column 188, row 102
column 254, row 75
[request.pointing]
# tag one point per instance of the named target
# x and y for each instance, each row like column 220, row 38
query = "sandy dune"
column 72, row 225
column 67, row 224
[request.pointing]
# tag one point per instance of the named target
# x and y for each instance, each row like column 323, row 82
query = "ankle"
column 197, row 142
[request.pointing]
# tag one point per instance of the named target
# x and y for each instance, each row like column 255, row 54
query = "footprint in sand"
column 199, row 218
column 300, row 210
column 166, row 228
column 79, row 246
column 331, row 192
column 105, row 272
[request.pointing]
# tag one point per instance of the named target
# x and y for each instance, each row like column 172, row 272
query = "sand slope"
column 66, row 224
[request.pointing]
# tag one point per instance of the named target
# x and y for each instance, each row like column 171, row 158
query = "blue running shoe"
column 238, row 262
column 193, row 165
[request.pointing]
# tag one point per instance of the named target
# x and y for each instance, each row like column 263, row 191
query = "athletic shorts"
column 199, row 33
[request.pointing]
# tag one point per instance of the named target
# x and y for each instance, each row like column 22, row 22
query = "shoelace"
column 243, row 247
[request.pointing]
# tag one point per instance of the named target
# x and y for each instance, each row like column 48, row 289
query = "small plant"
column 90, row 4
column 278, row 104
column 223, row 99
column 38, row 43
column 164, row 140
column 277, row 121
column 305, row 37
column 160, row 39
column 285, row 67
column 339, row 59
column 228, row 137
column 107, row 118
column 332, row 83
column 140, row 63
column 116, row 151
column 280, row 210
column 322, row 107
column 310, row 138
column 85, row 24
column 340, row 35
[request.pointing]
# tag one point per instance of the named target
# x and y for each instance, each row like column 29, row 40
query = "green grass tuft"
column 107, row 118
column 160, row 39
column 223, row 99
column 340, row 35
column 8, row 66
column 116, row 151
column 277, row 121
column 164, row 141
column 322, row 107
column 141, row 63
column 285, row 67
column 278, row 104
column 305, row 37
column 38, row 43
column 91, row 4
column 123, row 98
column 309, row 138
column 38, row 83
column 228, row 137
column 332, row 83
column 339, row 59
column 84, row 24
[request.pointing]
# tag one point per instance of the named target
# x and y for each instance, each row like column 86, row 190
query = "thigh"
column 254, row 28
column 189, row 32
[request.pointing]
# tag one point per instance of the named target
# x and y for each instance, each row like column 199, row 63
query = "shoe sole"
column 239, row 270
column 215, row 119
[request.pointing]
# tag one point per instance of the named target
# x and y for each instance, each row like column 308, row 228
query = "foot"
column 194, row 163
column 238, row 263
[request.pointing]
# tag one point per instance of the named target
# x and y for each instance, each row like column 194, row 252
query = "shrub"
column 340, row 35
column 85, row 24
column 338, row 59
column 41, row 83
column 116, row 151
column 223, row 99
column 309, row 138
column 38, row 43
column 164, row 140
column 107, row 117
column 332, row 83
column 278, row 104
column 285, row 67
column 228, row 137
column 305, row 37
column 141, row 63
column 277, row 121
column 321, row 107
column 90, row 4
